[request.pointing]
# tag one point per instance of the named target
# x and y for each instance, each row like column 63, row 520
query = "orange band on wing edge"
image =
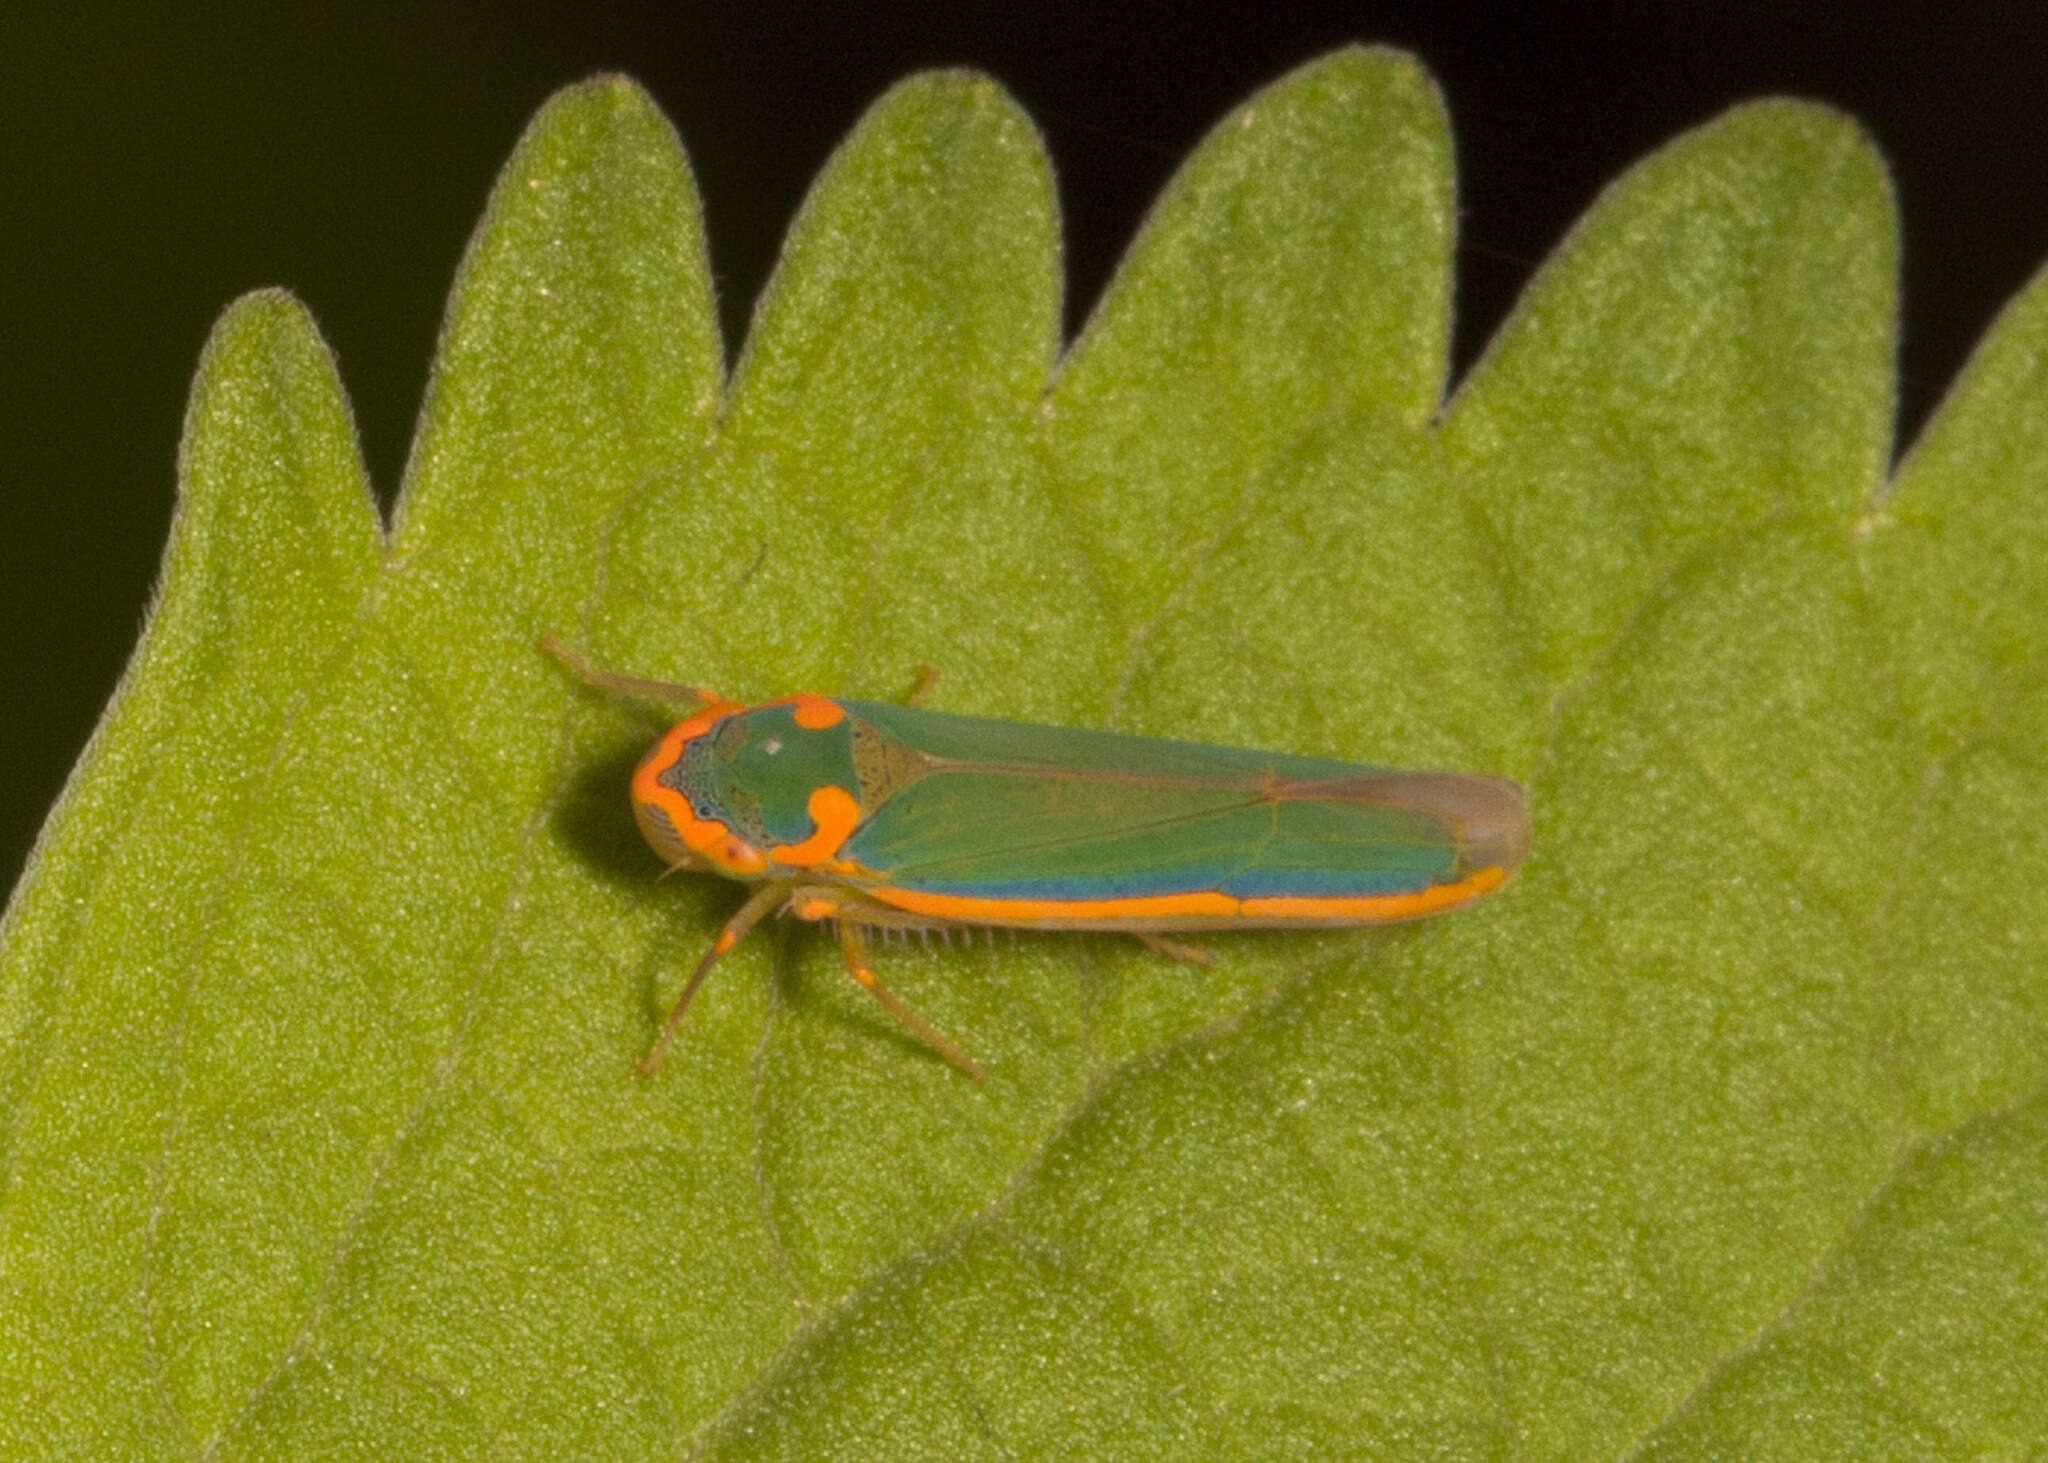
column 1202, row 905
column 1377, row 908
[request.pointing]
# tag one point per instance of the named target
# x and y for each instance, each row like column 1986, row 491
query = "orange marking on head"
column 836, row 814
column 733, row 854
column 814, row 908
column 678, row 828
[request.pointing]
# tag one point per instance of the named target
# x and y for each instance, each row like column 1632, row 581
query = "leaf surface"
column 1720, row 1133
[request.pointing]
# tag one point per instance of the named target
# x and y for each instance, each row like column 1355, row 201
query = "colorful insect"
column 872, row 816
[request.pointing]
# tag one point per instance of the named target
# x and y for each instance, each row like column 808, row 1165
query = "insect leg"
column 854, row 947
column 750, row 914
column 620, row 685
column 927, row 677
column 1176, row 949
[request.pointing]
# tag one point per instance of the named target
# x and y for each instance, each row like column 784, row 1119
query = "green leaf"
column 1721, row 1133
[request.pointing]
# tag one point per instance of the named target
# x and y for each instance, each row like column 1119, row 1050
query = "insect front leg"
column 619, row 685
column 758, row 904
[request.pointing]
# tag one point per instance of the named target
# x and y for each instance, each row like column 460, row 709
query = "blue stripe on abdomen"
column 1254, row 883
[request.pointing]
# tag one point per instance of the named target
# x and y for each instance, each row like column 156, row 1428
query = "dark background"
column 154, row 169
